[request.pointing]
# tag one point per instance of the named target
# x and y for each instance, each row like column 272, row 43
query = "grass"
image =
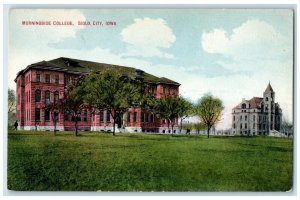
column 39, row 161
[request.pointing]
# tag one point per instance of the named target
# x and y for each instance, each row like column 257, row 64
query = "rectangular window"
column 85, row 116
column 66, row 81
column 47, row 115
column 47, row 78
column 147, row 118
column 241, row 117
column 233, row 118
column 38, row 77
column 245, row 117
column 152, row 118
column 246, row 125
column 37, row 96
column 241, row 126
column 128, row 117
column 56, row 78
column 66, row 115
column 142, row 117
column 101, row 116
column 253, row 126
column 37, row 114
column 79, row 116
column 56, row 115
column 135, row 116
column 107, row 116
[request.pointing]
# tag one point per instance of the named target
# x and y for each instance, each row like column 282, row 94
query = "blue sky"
column 230, row 53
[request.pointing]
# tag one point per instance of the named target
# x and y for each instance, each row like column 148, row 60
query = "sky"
column 229, row 53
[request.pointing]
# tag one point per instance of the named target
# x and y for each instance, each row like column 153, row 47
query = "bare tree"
column 286, row 127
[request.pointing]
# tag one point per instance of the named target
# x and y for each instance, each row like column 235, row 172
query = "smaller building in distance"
column 257, row 116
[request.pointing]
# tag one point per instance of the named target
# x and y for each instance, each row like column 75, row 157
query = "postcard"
column 151, row 100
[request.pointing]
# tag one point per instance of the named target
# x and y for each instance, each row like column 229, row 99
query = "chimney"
column 139, row 74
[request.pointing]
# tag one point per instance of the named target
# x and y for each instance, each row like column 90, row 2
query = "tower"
column 269, row 107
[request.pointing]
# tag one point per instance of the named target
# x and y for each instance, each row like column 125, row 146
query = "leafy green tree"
column 11, row 106
column 186, row 109
column 73, row 100
column 209, row 110
column 169, row 108
column 110, row 91
column 54, row 108
column 198, row 126
column 188, row 127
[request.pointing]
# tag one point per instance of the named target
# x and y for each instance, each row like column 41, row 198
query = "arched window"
column 47, row 97
column 37, row 96
column 56, row 96
column 243, row 105
column 233, row 125
column 56, row 112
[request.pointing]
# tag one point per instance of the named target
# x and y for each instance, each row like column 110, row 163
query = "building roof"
column 255, row 102
column 269, row 88
column 83, row 67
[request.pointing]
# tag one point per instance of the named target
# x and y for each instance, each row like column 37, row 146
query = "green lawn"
column 39, row 161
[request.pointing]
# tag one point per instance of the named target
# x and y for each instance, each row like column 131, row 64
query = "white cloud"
column 215, row 41
column 147, row 37
column 253, row 40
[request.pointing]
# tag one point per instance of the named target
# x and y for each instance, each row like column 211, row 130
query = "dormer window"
column 243, row 105
column 67, row 63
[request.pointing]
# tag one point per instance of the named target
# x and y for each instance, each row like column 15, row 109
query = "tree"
column 54, row 108
column 73, row 100
column 286, row 127
column 198, row 126
column 169, row 108
column 11, row 100
column 209, row 110
column 11, row 106
column 188, row 127
column 185, row 109
column 111, row 92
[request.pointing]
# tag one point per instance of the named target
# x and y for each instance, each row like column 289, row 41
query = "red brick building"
column 44, row 82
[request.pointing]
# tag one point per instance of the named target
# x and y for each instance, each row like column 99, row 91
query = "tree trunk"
column 76, row 127
column 54, row 127
column 172, row 126
column 114, row 124
column 180, row 125
column 208, row 129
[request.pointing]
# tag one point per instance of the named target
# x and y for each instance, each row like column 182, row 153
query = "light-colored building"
column 257, row 116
